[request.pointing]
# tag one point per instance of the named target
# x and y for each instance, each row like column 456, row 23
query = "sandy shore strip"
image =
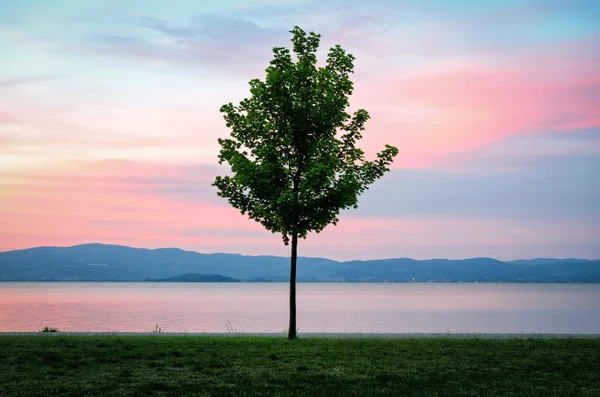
column 451, row 335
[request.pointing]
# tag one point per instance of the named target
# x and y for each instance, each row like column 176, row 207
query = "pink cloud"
column 6, row 117
column 39, row 134
column 114, row 202
column 464, row 106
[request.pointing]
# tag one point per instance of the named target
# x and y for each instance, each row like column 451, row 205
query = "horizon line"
column 300, row 256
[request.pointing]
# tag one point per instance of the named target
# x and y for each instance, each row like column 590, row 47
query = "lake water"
column 263, row 307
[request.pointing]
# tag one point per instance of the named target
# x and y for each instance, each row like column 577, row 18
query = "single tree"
column 292, row 148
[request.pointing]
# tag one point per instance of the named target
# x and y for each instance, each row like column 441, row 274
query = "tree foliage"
column 292, row 147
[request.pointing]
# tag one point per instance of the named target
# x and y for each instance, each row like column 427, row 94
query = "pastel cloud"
column 459, row 108
column 451, row 237
column 139, row 204
column 114, row 201
column 415, row 214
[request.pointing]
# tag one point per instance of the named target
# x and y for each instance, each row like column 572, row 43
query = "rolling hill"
column 100, row 262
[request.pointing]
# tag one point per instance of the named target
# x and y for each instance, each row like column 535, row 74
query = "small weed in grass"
column 49, row 329
column 230, row 328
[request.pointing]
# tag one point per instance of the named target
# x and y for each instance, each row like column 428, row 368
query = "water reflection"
column 249, row 307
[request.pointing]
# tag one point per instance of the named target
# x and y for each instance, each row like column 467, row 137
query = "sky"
column 109, row 119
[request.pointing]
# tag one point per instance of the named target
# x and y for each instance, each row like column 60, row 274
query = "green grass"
column 50, row 365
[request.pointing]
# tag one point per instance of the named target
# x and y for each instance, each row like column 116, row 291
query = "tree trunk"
column 292, row 327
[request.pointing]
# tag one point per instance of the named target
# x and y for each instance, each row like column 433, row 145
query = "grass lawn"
column 49, row 365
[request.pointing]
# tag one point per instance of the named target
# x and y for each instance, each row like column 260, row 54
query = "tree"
column 292, row 147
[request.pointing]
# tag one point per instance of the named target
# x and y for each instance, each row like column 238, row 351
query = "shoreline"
column 333, row 335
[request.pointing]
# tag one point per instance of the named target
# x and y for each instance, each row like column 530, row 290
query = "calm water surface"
column 263, row 307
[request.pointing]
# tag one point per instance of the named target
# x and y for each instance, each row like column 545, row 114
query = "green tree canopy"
column 292, row 147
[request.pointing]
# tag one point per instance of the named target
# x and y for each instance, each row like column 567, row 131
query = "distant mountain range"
column 99, row 262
